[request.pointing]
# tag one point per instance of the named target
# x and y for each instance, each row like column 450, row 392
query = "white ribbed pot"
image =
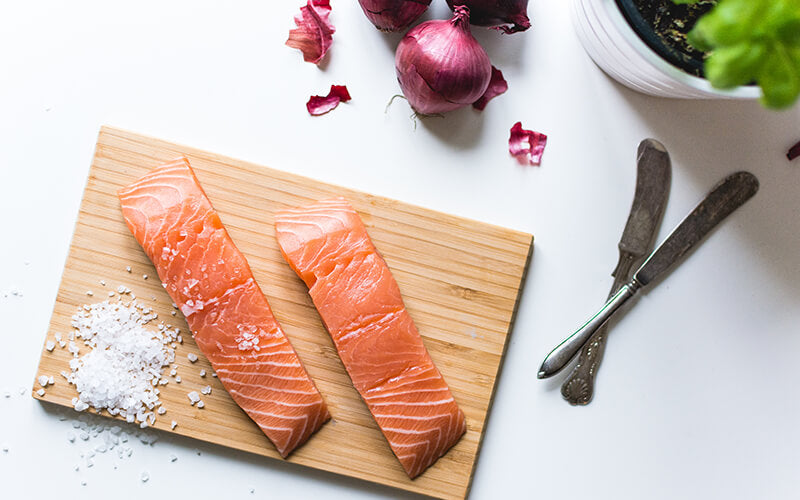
column 619, row 51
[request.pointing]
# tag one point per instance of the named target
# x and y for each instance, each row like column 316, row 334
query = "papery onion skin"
column 393, row 15
column 314, row 33
column 497, row 13
column 526, row 146
column 440, row 65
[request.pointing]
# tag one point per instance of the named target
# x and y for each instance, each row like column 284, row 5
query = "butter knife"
column 725, row 198
column 653, row 175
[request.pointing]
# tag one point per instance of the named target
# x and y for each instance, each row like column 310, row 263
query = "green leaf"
column 730, row 22
column 730, row 67
column 788, row 32
column 779, row 78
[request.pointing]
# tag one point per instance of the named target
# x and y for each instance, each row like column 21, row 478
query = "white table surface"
column 697, row 397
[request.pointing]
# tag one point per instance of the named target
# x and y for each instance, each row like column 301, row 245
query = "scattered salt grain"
column 173, row 372
column 40, row 392
column 125, row 360
column 173, row 457
column 214, row 375
column 5, row 448
column 128, row 268
column 21, row 391
column 43, row 380
column 173, row 425
column 83, row 483
column 202, row 373
column 178, row 379
column 61, row 344
column 161, row 411
column 84, row 435
column 192, row 357
column 193, row 397
column 144, row 276
column 50, row 345
column 206, row 389
column 103, row 282
column 110, row 294
column 51, row 380
column 71, row 437
column 145, row 477
column 200, row 404
column 57, row 336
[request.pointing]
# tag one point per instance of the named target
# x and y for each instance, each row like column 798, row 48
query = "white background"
column 697, row 397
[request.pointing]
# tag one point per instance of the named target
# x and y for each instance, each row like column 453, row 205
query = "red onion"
column 497, row 13
column 393, row 15
column 440, row 65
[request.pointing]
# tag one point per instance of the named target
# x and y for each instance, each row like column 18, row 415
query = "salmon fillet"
column 231, row 321
column 359, row 301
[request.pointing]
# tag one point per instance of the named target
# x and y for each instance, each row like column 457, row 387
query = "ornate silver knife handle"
column 726, row 197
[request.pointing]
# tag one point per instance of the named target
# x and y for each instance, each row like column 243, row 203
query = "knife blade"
column 653, row 175
column 725, row 198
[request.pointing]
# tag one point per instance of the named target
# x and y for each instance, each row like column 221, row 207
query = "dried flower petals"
column 497, row 86
column 313, row 35
column 319, row 105
column 526, row 146
column 794, row 152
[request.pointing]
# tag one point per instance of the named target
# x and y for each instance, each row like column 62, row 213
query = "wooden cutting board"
column 461, row 281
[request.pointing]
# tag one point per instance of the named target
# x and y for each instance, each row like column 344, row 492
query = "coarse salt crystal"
column 192, row 357
column 173, row 424
column 121, row 289
column 110, row 294
column 193, row 397
column 57, row 336
column 161, row 411
column 145, row 477
column 43, row 380
column 202, row 373
column 124, row 362
column 173, row 457
column 144, row 277
column 200, row 404
column 128, row 268
column 89, row 293
column 50, row 345
column 40, row 392
column 103, row 282
column 178, row 379
column 206, row 389
column 51, row 380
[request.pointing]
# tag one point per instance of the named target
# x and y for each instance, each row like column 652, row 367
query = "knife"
column 653, row 174
column 726, row 197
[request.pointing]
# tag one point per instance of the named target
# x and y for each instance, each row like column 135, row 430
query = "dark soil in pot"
column 663, row 26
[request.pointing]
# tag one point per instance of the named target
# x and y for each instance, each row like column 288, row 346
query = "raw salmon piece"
column 359, row 302
column 230, row 319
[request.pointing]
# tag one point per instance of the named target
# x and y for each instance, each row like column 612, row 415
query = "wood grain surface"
column 460, row 280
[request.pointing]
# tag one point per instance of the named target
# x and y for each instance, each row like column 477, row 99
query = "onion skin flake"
column 314, row 33
column 526, row 146
column 319, row 105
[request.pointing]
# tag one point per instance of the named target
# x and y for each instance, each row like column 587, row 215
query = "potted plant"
column 696, row 48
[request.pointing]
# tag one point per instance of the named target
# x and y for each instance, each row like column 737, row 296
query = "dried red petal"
column 526, row 146
column 794, row 152
column 319, row 105
column 497, row 86
column 313, row 35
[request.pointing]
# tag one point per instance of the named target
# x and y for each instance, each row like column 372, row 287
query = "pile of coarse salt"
column 122, row 371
